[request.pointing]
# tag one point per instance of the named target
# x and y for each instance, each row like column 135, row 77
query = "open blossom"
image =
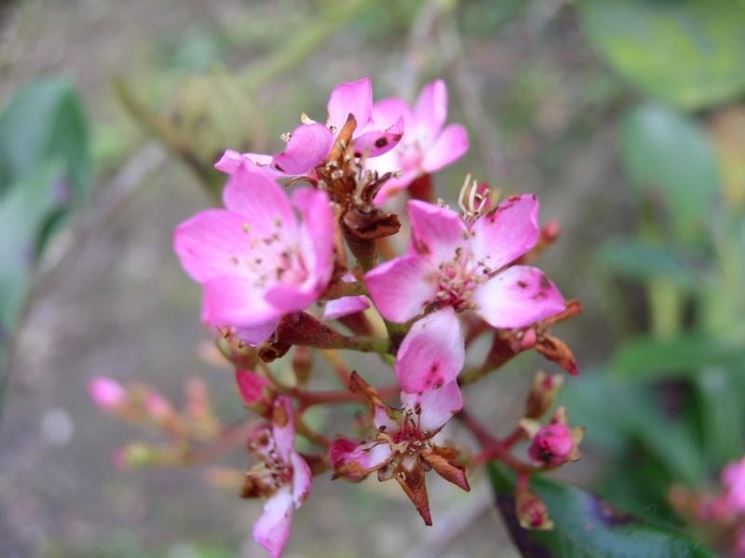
column 281, row 475
column 403, row 447
column 310, row 143
column 427, row 144
column 464, row 263
column 256, row 260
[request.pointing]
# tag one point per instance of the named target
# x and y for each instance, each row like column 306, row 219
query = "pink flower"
column 733, row 481
column 464, row 263
column 255, row 260
column 107, row 393
column 310, row 143
column 427, row 144
column 552, row 445
column 281, row 475
column 345, row 305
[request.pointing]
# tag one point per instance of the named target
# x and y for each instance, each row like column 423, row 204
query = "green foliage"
column 666, row 154
column 587, row 527
column 685, row 52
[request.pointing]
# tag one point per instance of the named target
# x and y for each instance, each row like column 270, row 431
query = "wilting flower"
column 255, row 260
column 310, row 143
column 464, row 263
column 281, row 475
column 427, row 144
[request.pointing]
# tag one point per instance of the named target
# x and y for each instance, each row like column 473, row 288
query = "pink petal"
column 229, row 162
column 436, row 232
column 251, row 386
column 308, row 147
column 212, row 244
column 432, row 353
column 449, row 146
column 344, row 306
column 436, row 406
column 106, row 392
column 261, row 201
column 272, row 530
column 431, row 110
column 378, row 142
column 256, row 334
column 352, row 97
column 317, row 233
column 387, row 111
column 507, row 232
column 284, row 434
column 517, row 297
column 235, row 301
column 395, row 185
column 291, row 298
column 400, row 288
column 363, row 458
column 301, row 479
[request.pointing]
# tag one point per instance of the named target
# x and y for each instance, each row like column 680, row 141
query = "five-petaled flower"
column 427, row 144
column 255, row 259
column 280, row 474
column 465, row 263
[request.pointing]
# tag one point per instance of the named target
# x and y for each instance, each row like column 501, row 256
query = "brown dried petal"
column 444, row 462
column 414, row 486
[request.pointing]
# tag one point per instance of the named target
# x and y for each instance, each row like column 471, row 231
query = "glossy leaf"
column 666, row 155
column 686, row 52
column 587, row 527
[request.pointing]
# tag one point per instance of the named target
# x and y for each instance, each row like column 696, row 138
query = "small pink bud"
column 108, row 394
column 157, row 406
column 255, row 390
column 532, row 512
column 552, row 445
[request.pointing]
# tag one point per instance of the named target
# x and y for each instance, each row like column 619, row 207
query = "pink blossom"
column 733, row 481
column 427, row 144
column 281, row 475
column 552, row 445
column 345, row 305
column 465, row 264
column 310, row 143
column 256, row 260
column 107, row 393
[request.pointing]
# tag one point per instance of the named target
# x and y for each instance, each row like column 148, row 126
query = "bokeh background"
column 625, row 117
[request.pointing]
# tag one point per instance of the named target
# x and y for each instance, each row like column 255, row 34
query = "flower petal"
column 431, row 110
column 436, row 232
column 230, row 161
column 317, row 233
column 400, row 288
column 448, row 147
column 353, row 97
column 283, row 427
column 507, row 232
column 432, row 353
column 251, row 386
column 378, row 142
column 235, row 301
column 437, row 406
column 387, row 111
column 308, row 147
column 255, row 334
column 261, row 201
column 355, row 461
column 301, row 479
column 344, row 306
column 517, row 297
column 272, row 530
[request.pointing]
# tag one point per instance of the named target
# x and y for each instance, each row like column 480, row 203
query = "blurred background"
column 626, row 117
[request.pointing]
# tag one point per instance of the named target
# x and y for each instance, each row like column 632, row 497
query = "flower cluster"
column 299, row 259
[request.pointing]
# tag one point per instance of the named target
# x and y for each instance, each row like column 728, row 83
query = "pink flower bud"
column 157, row 406
column 106, row 393
column 552, row 445
column 254, row 388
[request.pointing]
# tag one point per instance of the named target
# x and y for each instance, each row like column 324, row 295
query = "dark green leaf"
column 587, row 527
column 649, row 358
column 45, row 121
column 687, row 52
column 636, row 260
column 665, row 153
column 722, row 414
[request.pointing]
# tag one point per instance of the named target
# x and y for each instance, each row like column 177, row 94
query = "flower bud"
column 542, row 394
column 556, row 443
column 532, row 512
column 157, row 407
column 255, row 390
column 108, row 394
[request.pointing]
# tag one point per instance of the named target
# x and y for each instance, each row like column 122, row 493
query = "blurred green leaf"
column 638, row 260
column 666, row 153
column 653, row 359
column 45, row 121
column 586, row 526
column 687, row 52
column 721, row 409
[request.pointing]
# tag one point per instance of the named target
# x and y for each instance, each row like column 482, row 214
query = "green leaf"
column 722, row 414
column 653, row 359
column 45, row 121
column 637, row 260
column 686, row 52
column 587, row 527
column 666, row 154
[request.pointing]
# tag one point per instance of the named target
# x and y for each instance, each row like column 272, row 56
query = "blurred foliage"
column 685, row 52
column 45, row 174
